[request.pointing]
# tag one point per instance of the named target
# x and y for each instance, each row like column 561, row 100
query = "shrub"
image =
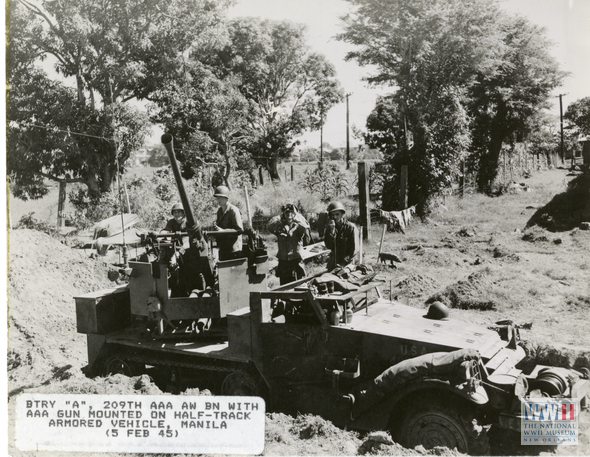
column 149, row 198
column 29, row 222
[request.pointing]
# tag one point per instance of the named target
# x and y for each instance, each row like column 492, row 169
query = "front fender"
column 378, row 417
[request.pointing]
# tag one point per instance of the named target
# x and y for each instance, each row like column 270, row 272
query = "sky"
column 567, row 23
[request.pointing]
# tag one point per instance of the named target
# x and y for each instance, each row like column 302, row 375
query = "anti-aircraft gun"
column 329, row 344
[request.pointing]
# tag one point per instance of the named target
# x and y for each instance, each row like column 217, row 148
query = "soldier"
column 290, row 234
column 188, row 264
column 228, row 217
column 339, row 237
column 178, row 221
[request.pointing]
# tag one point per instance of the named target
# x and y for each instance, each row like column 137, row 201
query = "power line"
column 69, row 132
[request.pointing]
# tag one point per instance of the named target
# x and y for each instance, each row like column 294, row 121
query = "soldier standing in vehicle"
column 188, row 264
column 290, row 234
column 175, row 256
column 339, row 237
column 228, row 218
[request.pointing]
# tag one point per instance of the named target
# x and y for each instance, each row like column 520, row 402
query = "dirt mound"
column 470, row 293
column 566, row 210
column 543, row 354
column 416, row 285
column 307, row 435
column 43, row 277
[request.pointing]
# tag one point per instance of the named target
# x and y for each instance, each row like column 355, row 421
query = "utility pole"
column 347, row 134
column 561, row 127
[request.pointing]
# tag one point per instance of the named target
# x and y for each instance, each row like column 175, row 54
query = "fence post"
column 403, row 187
column 291, row 172
column 260, row 175
column 364, row 200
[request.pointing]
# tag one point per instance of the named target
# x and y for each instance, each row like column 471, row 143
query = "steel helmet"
column 221, row 191
column 438, row 311
column 289, row 207
column 336, row 206
column 177, row 206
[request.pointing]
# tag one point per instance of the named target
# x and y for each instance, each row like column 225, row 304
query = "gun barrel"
column 168, row 143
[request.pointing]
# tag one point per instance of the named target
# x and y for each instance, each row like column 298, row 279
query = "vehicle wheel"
column 240, row 383
column 443, row 425
column 117, row 364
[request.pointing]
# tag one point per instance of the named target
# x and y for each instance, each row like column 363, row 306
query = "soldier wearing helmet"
column 339, row 237
column 290, row 229
column 228, row 217
column 178, row 221
column 176, row 257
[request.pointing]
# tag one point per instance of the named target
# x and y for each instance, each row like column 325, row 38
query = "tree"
column 289, row 89
column 115, row 51
column 207, row 117
column 578, row 116
column 505, row 103
column 385, row 126
column 447, row 59
column 54, row 136
column 429, row 51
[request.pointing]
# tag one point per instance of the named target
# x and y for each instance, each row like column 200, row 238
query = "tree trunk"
column 80, row 86
column 61, row 200
column 108, row 176
column 92, row 184
column 488, row 167
column 273, row 169
column 225, row 150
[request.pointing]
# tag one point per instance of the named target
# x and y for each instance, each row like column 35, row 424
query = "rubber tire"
column 437, row 424
column 239, row 383
column 117, row 364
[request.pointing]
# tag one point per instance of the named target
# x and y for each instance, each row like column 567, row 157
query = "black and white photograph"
column 305, row 227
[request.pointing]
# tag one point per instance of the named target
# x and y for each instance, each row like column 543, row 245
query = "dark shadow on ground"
column 564, row 211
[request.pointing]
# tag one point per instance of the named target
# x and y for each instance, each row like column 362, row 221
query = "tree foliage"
column 446, row 60
column 505, row 103
column 578, row 116
column 289, row 89
column 114, row 51
column 207, row 116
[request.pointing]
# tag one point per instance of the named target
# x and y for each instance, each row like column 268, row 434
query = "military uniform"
column 290, row 242
column 230, row 247
column 342, row 244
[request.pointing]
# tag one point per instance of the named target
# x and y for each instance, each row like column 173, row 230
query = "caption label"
column 549, row 422
column 133, row 423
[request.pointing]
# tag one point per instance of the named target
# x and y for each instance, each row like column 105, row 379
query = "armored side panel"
column 233, row 285
column 243, row 329
column 141, row 284
column 103, row 311
column 239, row 333
column 95, row 344
column 234, row 289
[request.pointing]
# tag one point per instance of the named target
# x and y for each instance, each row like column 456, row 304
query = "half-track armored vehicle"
column 329, row 344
